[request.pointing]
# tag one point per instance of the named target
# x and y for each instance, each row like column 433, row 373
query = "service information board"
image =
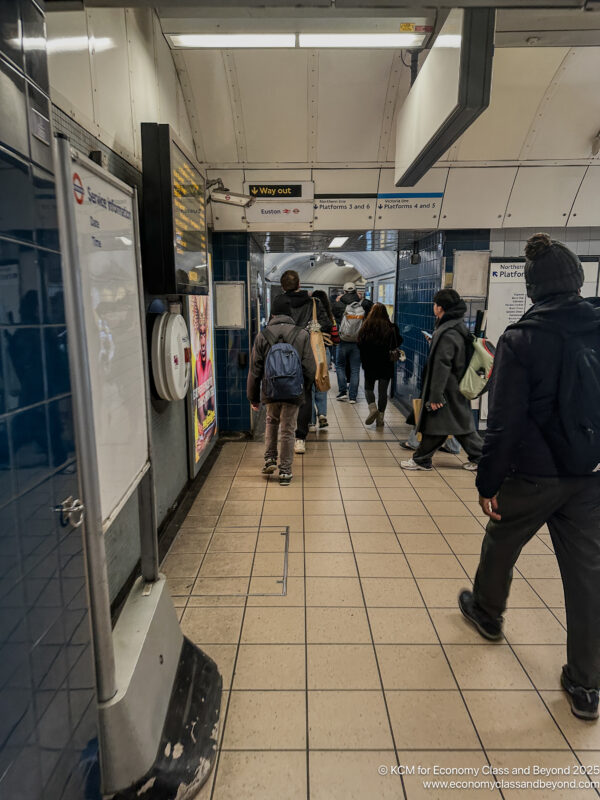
column 189, row 222
column 203, row 390
column 107, row 256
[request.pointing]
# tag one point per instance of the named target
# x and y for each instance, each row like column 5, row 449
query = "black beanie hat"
column 551, row 268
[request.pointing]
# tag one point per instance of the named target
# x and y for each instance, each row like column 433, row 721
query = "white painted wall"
column 112, row 69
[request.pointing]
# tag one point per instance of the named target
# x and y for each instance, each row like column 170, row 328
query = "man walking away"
column 541, row 459
column 301, row 312
column 350, row 312
column 445, row 410
column 281, row 368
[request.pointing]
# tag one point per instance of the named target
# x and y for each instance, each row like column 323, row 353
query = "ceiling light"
column 232, row 40
column 338, row 241
column 372, row 40
column 453, row 40
column 76, row 44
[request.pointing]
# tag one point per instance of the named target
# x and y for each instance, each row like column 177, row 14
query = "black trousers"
column 382, row 391
column 304, row 414
column 472, row 443
column 571, row 508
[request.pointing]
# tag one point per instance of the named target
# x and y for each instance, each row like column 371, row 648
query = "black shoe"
column 342, row 396
column 407, row 446
column 584, row 702
column 285, row 478
column 489, row 628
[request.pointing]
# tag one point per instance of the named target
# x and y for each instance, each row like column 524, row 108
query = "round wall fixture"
column 171, row 356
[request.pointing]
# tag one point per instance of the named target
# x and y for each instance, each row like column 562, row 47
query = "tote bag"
column 318, row 347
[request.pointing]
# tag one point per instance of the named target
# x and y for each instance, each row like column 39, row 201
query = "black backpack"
column 572, row 428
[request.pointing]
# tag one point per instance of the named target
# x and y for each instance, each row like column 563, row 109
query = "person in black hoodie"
column 302, row 312
column 522, row 482
column 445, row 410
column 377, row 339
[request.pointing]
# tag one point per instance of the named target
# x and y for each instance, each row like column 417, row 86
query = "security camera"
column 312, row 263
column 230, row 198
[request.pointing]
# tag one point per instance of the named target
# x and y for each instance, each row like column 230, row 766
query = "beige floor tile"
column 323, row 507
column 414, row 666
column 267, row 592
column 391, row 482
column 337, row 626
column 261, row 775
column 446, row 760
column 212, row 625
column 342, row 666
column 402, row 508
column 272, row 564
column 182, row 566
column 272, row 541
column 467, row 494
column 550, row 590
column 470, row 564
column 550, row 759
column 391, row 592
column 518, row 718
column 442, row 592
column 242, row 493
column 265, row 720
column 295, row 522
column 180, row 587
column 327, row 542
column 533, row 626
column 333, row 592
column 242, row 507
column 238, row 521
column 320, row 481
column 425, row 480
column 543, row 663
column 328, row 523
column 393, row 494
column 537, row 547
column 219, row 592
column 489, row 667
column 465, row 543
column 408, row 524
column 437, row 494
column 347, row 720
column 536, row 566
column 434, row 566
column 330, row 565
column 375, row 543
column 423, row 543
column 458, row 524
column 446, row 508
column 273, row 626
column 270, row 666
column 224, row 657
column 226, row 565
column 344, row 775
column 580, row 735
column 287, row 506
column 356, row 493
column 291, row 492
column 401, row 626
column 361, row 481
column 190, row 543
column 387, row 472
column 369, row 524
column 375, row 565
column 430, row 720
column 561, row 615
column 206, row 507
column 522, row 595
column 325, row 493
column 233, row 543
column 452, row 628
column 364, row 508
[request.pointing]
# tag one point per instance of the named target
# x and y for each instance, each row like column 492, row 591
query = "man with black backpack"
column 281, row 369
column 541, row 461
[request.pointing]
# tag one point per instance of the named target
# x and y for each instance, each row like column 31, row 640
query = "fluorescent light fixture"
column 338, row 241
column 448, row 40
column 232, row 40
column 76, row 44
column 351, row 40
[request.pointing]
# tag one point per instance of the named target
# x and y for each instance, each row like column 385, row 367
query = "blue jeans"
column 348, row 352
column 319, row 404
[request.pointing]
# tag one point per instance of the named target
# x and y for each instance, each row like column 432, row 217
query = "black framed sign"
column 174, row 214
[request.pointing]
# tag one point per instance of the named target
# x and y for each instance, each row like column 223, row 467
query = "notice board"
column 107, row 245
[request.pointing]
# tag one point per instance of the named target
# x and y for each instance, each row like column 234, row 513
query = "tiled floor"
column 366, row 663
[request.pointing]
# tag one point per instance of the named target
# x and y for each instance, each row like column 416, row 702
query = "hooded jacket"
column 445, row 368
column 338, row 307
column 302, row 310
column 524, row 391
column 282, row 326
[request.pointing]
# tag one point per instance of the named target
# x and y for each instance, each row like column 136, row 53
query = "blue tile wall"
column 230, row 263
column 48, row 728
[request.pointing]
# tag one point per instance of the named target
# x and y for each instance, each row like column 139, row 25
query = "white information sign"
column 507, row 298
column 106, row 235
column 344, row 212
column 278, row 211
column 405, row 209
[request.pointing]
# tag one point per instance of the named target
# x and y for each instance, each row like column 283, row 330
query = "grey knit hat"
column 551, row 268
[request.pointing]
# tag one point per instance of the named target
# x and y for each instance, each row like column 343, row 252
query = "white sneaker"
column 352, row 402
column 471, row 466
column 300, row 446
column 412, row 464
column 312, row 427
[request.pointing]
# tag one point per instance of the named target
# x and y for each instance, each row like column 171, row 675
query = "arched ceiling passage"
column 365, row 265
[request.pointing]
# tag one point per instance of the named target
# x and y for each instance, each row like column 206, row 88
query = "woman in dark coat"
column 377, row 338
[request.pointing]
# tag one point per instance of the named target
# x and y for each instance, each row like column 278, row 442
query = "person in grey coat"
column 445, row 410
column 280, row 415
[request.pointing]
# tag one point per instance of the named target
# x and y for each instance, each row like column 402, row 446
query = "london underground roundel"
column 78, row 188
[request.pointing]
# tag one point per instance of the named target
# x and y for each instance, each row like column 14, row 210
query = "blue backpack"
column 283, row 381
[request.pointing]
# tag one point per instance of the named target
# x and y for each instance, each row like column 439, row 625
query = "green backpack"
column 475, row 381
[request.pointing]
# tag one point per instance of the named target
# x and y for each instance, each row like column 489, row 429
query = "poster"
column 203, row 388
